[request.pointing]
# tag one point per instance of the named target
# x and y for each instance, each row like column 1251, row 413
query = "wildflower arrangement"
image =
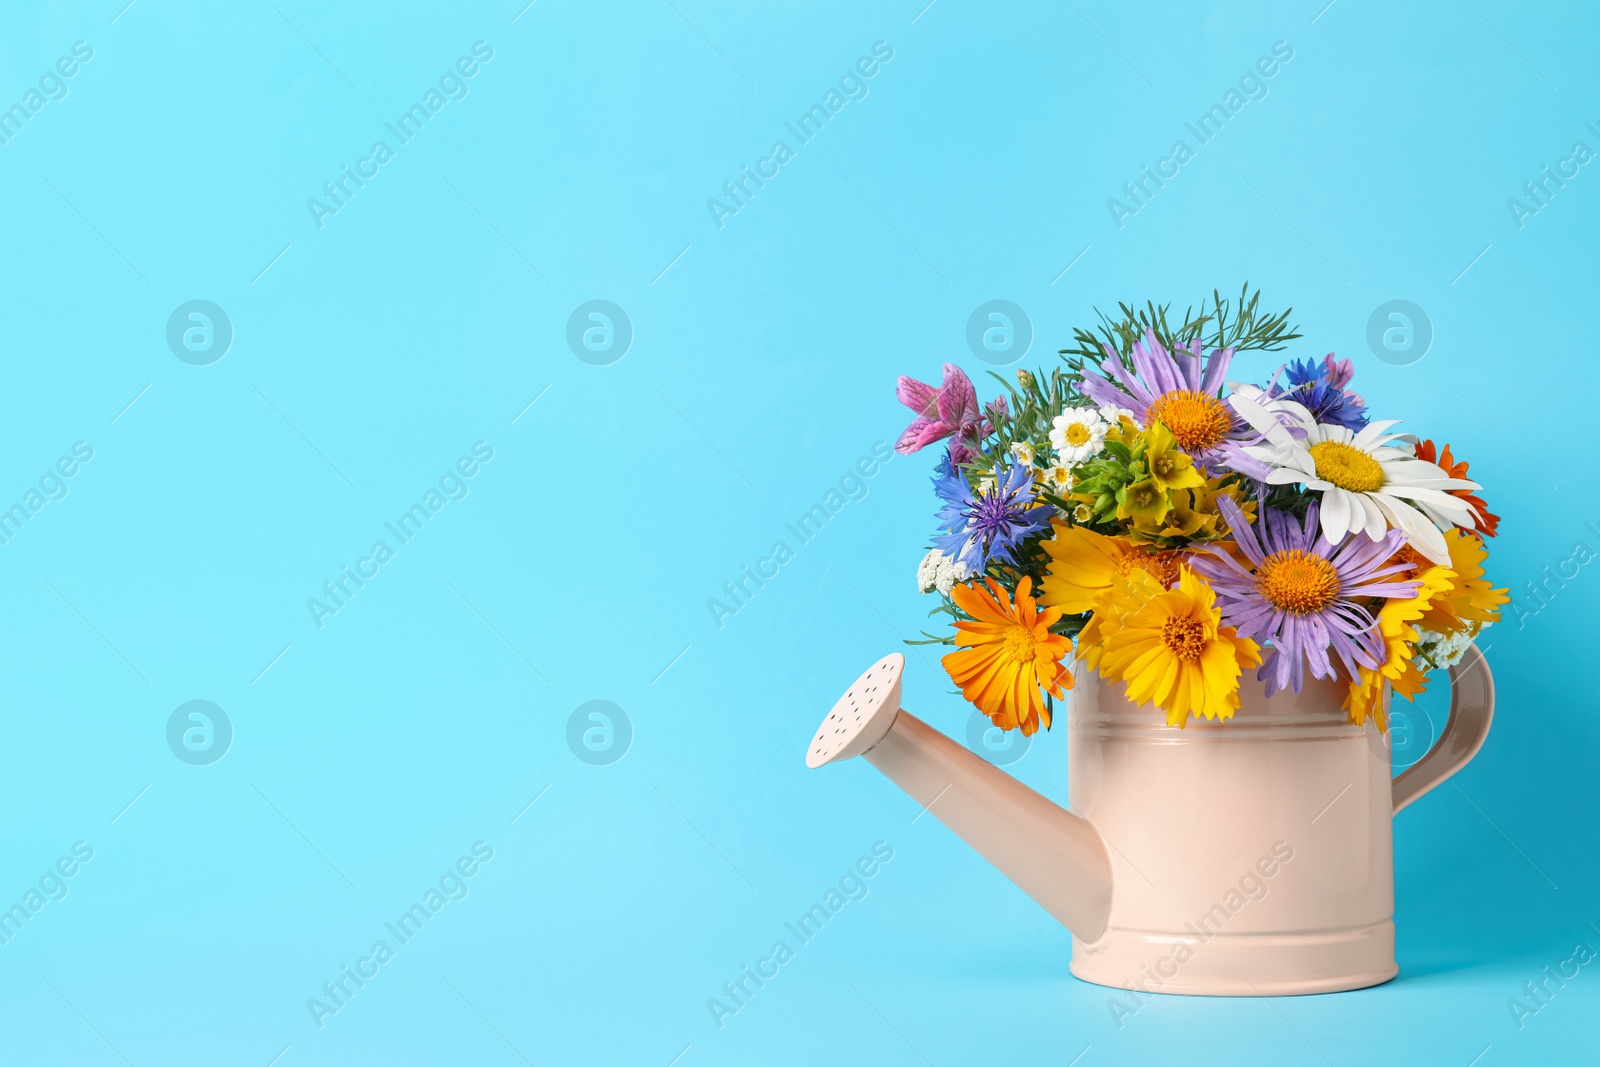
column 1136, row 510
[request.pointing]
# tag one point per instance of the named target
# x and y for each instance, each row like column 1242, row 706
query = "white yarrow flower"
column 1444, row 650
column 951, row 572
column 1077, row 434
column 928, row 570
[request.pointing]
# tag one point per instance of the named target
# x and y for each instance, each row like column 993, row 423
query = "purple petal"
column 1216, row 370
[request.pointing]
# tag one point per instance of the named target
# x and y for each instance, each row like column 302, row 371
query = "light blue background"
column 432, row 309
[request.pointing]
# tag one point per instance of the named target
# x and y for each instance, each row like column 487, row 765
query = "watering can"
column 1249, row 857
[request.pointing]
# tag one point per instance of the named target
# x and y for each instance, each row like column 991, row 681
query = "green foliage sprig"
column 1240, row 326
column 1036, row 397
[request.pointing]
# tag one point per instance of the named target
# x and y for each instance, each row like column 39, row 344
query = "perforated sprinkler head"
column 861, row 717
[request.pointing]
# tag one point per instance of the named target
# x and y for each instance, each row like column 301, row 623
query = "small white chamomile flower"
column 1023, row 452
column 1110, row 414
column 1057, row 479
column 1077, row 434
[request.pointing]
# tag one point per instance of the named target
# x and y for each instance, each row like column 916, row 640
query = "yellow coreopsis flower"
column 1365, row 696
column 1083, row 565
column 1131, row 591
column 1471, row 601
column 1170, row 647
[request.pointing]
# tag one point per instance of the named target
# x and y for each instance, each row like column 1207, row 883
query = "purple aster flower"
column 1180, row 388
column 951, row 410
column 1320, row 389
column 1299, row 595
column 991, row 524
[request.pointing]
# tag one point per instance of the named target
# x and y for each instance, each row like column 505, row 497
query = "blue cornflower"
column 1320, row 389
column 989, row 524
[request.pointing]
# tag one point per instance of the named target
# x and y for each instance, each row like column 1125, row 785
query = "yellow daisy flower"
column 1471, row 601
column 1084, row 564
column 1170, row 648
column 1365, row 696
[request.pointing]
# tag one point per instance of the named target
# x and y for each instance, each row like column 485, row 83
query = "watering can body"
column 1239, row 858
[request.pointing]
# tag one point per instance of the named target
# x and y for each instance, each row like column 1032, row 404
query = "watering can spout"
column 1054, row 856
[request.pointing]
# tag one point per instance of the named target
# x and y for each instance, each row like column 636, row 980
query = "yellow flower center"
column 1298, row 581
column 1185, row 636
column 1077, row 434
column 1198, row 421
column 1019, row 644
column 1347, row 467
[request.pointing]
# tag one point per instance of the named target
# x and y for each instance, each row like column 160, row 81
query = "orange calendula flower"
column 1008, row 657
column 1488, row 521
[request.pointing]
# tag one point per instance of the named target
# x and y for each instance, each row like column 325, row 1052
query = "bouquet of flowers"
column 1179, row 527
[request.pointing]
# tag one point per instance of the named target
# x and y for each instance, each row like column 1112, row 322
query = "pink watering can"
column 1251, row 857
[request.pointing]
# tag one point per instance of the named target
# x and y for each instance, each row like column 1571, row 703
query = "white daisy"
column 1077, row 434
column 1023, row 452
column 1366, row 486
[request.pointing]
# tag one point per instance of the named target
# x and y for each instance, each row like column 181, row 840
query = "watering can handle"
column 1471, row 709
